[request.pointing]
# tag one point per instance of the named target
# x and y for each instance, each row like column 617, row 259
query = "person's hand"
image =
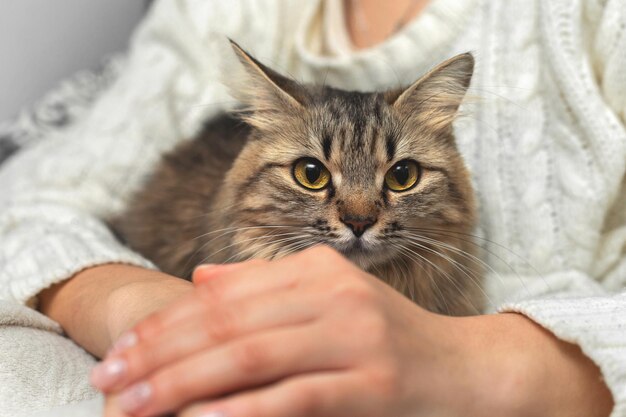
column 149, row 291
column 312, row 335
column 98, row 304
column 143, row 292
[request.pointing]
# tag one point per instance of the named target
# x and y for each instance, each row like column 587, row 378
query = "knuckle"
column 212, row 291
column 139, row 361
column 384, row 380
column 310, row 400
column 321, row 263
column 251, row 357
column 355, row 292
column 170, row 386
column 253, row 406
column 221, row 325
column 370, row 337
column 149, row 327
column 376, row 328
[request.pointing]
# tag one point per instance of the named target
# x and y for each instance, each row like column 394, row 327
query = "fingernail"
column 127, row 340
column 108, row 373
column 135, row 397
column 213, row 414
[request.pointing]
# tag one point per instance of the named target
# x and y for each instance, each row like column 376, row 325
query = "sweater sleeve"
column 588, row 308
column 57, row 194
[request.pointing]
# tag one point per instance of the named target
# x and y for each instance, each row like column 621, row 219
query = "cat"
column 377, row 176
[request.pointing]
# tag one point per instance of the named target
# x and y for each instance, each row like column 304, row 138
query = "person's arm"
column 98, row 304
column 56, row 194
column 288, row 338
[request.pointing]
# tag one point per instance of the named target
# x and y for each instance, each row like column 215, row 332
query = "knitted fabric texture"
column 544, row 139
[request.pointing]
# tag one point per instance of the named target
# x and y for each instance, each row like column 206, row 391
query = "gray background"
column 43, row 41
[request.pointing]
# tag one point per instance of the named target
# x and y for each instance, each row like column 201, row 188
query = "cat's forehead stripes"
column 327, row 143
column 354, row 129
column 391, row 141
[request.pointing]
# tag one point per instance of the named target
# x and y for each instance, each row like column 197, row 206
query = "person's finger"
column 248, row 279
column 206, row 272
column 219, row 325
column 111, row 408
column 227, row 283
column 309, row 262
column 246, row 363
column 315, row 395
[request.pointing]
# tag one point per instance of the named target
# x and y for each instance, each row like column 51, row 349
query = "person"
column 546, row 146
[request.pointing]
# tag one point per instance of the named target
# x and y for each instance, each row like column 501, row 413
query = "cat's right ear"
column 263, row 90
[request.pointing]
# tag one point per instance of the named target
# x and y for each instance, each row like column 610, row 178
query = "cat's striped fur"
column 230, row 194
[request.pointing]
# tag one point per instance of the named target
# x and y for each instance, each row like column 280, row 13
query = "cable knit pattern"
column 545, row 142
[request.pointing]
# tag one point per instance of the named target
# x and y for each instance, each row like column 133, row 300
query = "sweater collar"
column 434, row 30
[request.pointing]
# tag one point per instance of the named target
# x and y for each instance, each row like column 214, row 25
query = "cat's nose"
column 358, row 225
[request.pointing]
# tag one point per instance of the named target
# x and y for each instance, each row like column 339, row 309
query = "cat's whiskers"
column 420, row 264
column 296, row 247
column 258, row 250
column 471, row 275
column 401, row 273
column 376, row 270
column 238, row 228
column 213, row 211
column 241, row 256
column 469, row 238
column 225, row 231
column 467, row 255
column 488, row 267
column 257, row 246
column 443, row 273
column 404, row 273
column 252, row 239
column 428, row 272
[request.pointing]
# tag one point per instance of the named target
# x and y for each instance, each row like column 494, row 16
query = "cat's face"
column 361, row 172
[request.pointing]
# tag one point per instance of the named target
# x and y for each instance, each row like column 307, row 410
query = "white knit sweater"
column 546, row 145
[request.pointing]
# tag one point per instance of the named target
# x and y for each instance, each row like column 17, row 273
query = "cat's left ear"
column 265, row 90
column 433, row 101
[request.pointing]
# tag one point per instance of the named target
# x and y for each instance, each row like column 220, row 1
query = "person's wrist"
column 461, row 378
column 513, row 374
column 492, row 371
column 132, row 302
column 528, row 372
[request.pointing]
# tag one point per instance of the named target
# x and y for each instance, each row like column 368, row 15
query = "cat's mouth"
column 362, row 252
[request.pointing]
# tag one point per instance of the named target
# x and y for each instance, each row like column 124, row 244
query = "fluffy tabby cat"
column 377, row 176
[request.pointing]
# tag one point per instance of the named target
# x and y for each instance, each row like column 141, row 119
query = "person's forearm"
column 98, row 304
column 538, row 374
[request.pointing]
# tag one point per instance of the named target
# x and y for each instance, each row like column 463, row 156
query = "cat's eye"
column 311, row 174
column 403, row 175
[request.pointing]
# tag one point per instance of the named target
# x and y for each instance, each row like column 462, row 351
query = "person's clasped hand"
column 308, row 335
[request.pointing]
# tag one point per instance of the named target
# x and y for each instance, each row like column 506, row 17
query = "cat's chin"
column 363, row 253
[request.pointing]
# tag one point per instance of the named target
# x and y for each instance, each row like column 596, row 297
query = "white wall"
column 43, row 41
